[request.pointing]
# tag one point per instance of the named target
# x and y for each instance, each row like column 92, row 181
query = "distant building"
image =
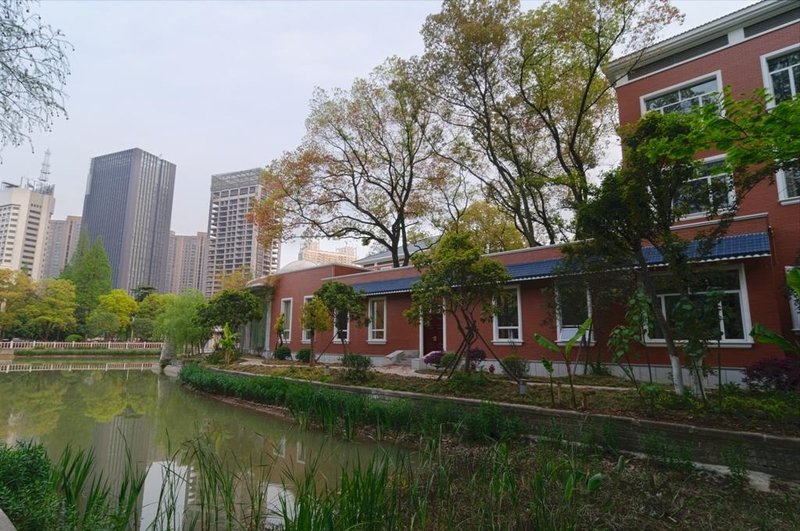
column 186, row 262
column 232, row 237
column 60, row 244
column 128, row 204
column 311, row 252
column 25, row 211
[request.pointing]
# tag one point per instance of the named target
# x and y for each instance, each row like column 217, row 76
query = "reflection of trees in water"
column 150, row 417
column 30, row 404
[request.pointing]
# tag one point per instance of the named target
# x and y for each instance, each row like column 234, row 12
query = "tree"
column 180, row 324
column 103, row 323
column 315, row 318
column 457, row 280
column 491, row 228
column 148, row 314
column 638, row 204
column 142, row 292
column 15, row 291
column 235, row 280
column 119, row 303
column 232, row 307
column 364, row 170
column 527, row 97
column 345, row 305
column 33, row 60
column 90, row 271
column 50, row 311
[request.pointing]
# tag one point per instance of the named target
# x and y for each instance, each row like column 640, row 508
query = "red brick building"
column 755, row 47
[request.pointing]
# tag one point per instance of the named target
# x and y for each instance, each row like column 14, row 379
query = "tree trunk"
column 674, row 358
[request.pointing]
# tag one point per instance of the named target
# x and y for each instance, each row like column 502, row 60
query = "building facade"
column 756, row 47
column 186, row 262
column 128, row 205
column 60, row 244
column 312, row 252
column 232, row 237
column 25, row 212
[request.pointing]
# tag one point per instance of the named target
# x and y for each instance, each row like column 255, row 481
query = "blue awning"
column 726, row 248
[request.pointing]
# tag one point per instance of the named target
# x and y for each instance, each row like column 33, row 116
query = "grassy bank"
column 738, row 409
column 344, row 414
column 87, row 353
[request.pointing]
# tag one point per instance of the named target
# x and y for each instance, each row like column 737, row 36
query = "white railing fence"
column 80, row 345
column 69, row 367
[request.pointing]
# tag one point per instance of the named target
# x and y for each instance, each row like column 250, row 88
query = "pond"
column 155, row 420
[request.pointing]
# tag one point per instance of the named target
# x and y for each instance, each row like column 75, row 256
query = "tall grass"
column 342, row 413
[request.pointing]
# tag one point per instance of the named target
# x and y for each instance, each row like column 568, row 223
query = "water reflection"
column 149, row 418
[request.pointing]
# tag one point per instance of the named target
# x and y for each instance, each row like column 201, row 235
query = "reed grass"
column 343, row 414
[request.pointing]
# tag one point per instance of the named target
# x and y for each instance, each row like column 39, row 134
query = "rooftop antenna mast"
column 44, row 175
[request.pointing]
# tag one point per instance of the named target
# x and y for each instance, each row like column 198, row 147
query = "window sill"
column 508, row 342
column 376, row 341
column 732, row 344
column 789, row 201
column 305, row 341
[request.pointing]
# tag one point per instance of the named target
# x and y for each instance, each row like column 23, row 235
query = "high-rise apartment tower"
column 232, row 238
column 186, row 263
column 25, row 211
column 128, row 204
column 62, row 240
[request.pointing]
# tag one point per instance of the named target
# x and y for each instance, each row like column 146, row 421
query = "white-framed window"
column 685, row 96
column 788, row 182
column 781, row 72
column 377, row 321
column 733, row 311
column 507, row 323
column 794, row 306
column 344, row 337
column 286, row 310
column 714, row 186
column 573, row 308
column 306, row 334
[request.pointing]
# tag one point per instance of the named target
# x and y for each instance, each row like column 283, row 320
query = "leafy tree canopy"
column 90, row 271
column 119, row 303
column 232, row 307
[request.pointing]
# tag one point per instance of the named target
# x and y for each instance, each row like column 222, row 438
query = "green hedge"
column 87, row 352
column 343, row 412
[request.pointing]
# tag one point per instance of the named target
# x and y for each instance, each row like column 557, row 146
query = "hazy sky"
column 216, row 86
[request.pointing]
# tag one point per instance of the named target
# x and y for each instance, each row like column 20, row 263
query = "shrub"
column 434, row 357
column 26, row 493
column 516, row 366
column 304, row 354
column 774, row 375
column 466, row 383
column 448, row 360
column 73, row 337
column 357, row 366
column 476, row 355
column 282, row 353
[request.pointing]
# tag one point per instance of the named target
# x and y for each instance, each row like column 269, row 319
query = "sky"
column 216, row 87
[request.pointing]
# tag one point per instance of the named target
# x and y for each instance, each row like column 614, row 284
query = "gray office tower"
column 128, row 205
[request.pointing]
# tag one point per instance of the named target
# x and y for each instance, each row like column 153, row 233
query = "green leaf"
column 594, row 482
column 578, row 335
column 546, row 343
column 764, row 335
column 569, row 487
